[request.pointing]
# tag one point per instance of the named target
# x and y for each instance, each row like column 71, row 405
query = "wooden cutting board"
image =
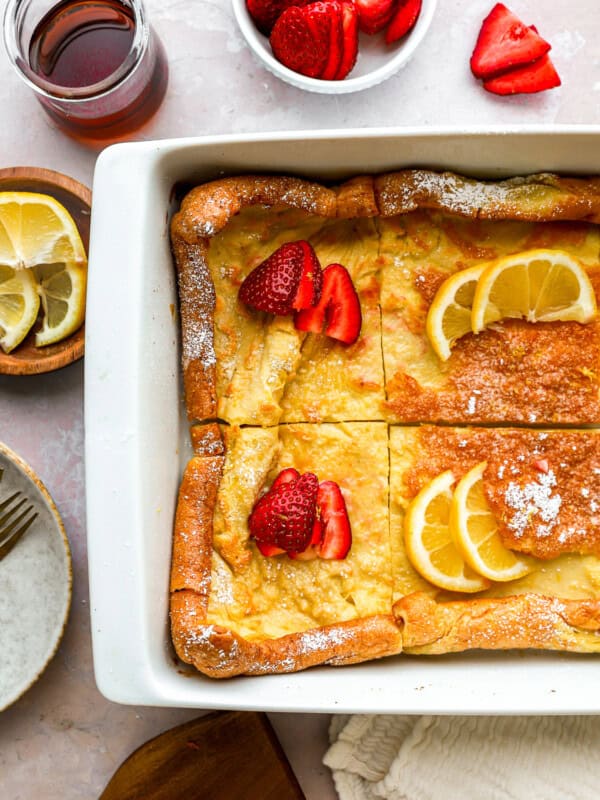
column 222, row 756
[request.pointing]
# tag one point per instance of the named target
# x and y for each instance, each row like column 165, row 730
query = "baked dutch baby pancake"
column 393, row 390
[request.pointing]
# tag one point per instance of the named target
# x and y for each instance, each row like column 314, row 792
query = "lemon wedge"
column 449, row 315
column 41, row 254
column 429, row 543
column 62, row 289
column 538, row 285
column 37, row 229
column 19, row 305
column 475, row 531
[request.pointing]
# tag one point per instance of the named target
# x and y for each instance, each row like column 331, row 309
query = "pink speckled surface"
column 63, row 740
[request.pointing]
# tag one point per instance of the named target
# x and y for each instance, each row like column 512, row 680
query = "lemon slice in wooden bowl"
column 62, row 290
column 19, row 305
column 41, row 254
column 37, row 229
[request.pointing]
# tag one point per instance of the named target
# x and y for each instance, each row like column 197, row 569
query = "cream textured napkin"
column 465, row 758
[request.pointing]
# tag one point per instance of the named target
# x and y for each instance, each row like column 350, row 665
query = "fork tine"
column 8, row 530
column 8, row 500
column 10, row 511
column 7, row 545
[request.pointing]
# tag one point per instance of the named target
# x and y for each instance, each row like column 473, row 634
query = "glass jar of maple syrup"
column 96, row 66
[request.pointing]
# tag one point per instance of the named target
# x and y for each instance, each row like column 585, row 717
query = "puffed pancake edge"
column 518, row 622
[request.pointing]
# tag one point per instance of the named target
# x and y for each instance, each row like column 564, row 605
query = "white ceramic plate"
column 137, row 438
column 35, row 585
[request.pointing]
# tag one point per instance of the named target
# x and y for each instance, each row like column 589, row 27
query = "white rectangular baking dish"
column 136, row 436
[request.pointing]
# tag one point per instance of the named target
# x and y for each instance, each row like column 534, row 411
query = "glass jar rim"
column 66, row 94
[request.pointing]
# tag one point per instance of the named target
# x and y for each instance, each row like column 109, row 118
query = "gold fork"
column 13, row 527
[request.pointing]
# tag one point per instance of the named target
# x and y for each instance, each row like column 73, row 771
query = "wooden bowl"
column 27, row 359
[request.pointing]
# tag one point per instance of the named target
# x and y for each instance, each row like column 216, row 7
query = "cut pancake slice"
column 258, row 599
column 514, row 372
column 251, row 368
column 538, row 485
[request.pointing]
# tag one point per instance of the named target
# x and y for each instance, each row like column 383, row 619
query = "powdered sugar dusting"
column 301, row 646
column 318, row 640
column 202, row 637
column 534, row 505
column 197, row 300
column 462, row 196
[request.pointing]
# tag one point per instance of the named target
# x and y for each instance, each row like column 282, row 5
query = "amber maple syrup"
column 82, row 44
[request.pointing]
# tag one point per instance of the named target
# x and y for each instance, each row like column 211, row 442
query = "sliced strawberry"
column 299, row 42
column 269, row 550
column 337, row 534
column 536, row 77
column 404, row 19
column 285, row 515
column 321, row 16
column 311, row 280
column 338, row 309
column 336, row 41
column 289, row 279
column 374, row 15
column 349, row 39
column 542, row 465
column 505, row 42
column 312, row 550
column 318, row 529
column 265, row 12
column 285, row 476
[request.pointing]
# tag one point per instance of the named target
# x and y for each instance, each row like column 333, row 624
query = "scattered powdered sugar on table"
column 534, row 502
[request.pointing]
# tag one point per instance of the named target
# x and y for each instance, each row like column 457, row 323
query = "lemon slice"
column 449, row 315
column 429, row 543
column 538, row 285
column 62, row 289
column 475, row 532
column 19, row 305
column 37, row 229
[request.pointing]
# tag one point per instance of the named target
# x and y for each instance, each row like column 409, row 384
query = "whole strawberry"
column 288, row 280
column 284, row 517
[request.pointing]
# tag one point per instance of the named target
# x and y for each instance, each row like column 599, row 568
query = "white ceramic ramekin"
column 376, row 60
